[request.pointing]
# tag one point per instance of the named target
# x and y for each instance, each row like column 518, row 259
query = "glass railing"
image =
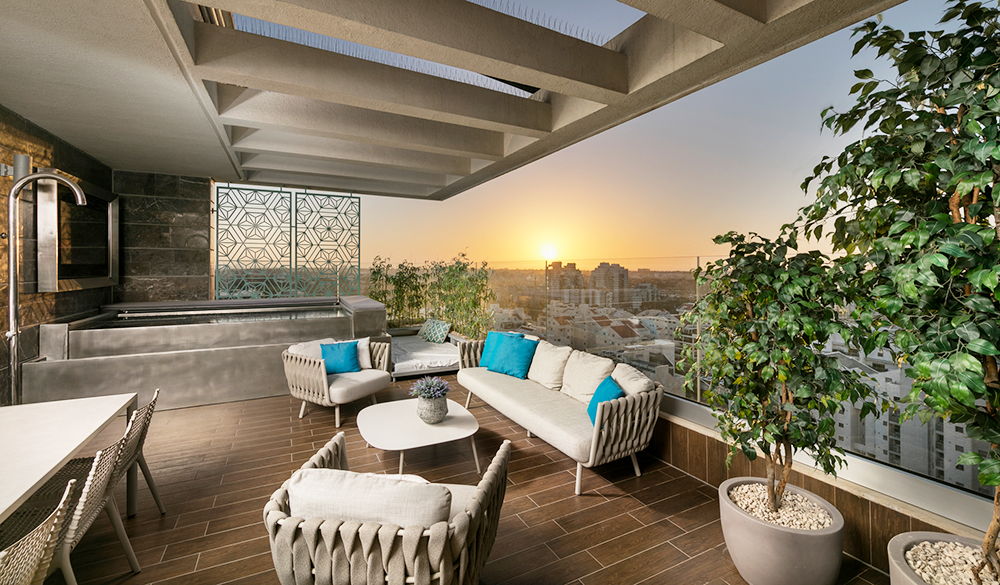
column 628, row 309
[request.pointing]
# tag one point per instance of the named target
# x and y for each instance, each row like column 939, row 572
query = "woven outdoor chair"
column 334, row 552
column 135, row 437
column 27, row 560
column 308, row 381
column 98, row 472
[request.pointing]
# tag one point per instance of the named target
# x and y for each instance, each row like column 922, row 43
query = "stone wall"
column 165, row 240
column 19, row 136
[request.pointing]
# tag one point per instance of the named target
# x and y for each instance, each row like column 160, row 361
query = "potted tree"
column 914, row 208
column 763, row 326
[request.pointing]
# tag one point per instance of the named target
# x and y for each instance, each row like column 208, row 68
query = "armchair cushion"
column 344, row 495
column 312, row 349
column 584, row 373
column 351, row 386
column 341, row 358
column 460, row 496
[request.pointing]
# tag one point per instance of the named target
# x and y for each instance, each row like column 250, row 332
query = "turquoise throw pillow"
column 513, row 356
column 341, row 358
column 492, row 338
column 607, row 390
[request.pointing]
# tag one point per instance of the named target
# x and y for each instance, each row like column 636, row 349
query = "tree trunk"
column 772, row 503
column 786, row 470
column 991, row 561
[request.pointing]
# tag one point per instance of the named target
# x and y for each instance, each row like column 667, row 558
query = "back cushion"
column 584, row 373
column 548, row 365
column 631, row 380
column 311, row 348
column 513, row 356
column 333, row 494
column 490, row 346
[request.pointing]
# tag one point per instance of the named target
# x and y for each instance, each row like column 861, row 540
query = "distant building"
column 565, row 277
column 613, row 279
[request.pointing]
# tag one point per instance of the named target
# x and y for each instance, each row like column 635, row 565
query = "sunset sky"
column 729, row 157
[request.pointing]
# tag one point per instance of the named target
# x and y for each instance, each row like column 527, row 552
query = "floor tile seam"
column 250, row 469
column 208, row 535
column 199, row 568
column 647, row 549
column 688, row 559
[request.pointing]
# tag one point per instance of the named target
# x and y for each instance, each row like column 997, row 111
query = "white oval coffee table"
column 395, row 426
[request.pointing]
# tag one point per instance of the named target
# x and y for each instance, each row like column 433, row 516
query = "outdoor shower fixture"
column 22, row 163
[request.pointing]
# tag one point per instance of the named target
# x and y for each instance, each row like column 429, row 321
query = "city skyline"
column 728, row 157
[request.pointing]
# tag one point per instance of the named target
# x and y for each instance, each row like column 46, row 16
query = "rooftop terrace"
column 216, row 466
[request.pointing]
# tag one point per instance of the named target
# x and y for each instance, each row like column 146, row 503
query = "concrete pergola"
column 159, row 87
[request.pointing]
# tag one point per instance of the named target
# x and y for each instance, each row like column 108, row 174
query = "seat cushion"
column 548, row 365
column 513, row 356
column 349, row 387
column 333, row 494
column 584, row 373
column 554, row 417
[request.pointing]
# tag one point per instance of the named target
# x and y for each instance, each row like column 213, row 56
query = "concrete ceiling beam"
column 309, row 166
column 237, row 58
column 257, row 141
column 348, row 185
column 720, row 21
column 456, row 33
column 238, row 106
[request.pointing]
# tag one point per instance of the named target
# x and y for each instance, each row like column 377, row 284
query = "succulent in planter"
column 762, row 328
column 429, row 387
column 915, row 209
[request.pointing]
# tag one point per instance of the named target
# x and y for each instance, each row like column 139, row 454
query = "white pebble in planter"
column 931, row 568
column 769, row 554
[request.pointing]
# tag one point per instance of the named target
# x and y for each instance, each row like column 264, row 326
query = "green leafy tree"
column 403, row 290
column 459, row 292
column 913, row 205
column 764, row 322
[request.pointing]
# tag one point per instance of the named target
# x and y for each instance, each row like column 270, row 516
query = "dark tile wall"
column 19, row 136
column 868, row 525
column 165, row 252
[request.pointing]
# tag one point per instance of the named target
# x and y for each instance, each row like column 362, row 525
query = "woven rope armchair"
column 27, row 560
column 329, row 551
column 308, row 381
column 622, row 427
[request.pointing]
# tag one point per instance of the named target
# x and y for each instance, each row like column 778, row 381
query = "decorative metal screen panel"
column 274, row 242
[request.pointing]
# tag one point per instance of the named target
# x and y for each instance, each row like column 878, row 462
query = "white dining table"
column 36, row 440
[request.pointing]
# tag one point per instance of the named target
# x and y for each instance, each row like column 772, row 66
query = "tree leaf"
column 983, row 347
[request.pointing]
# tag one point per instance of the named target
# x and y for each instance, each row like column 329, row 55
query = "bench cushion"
column 554, row 417
column 548, row 365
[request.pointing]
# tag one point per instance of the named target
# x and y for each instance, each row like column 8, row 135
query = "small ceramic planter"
column 432, row 410
column 900, row 572
column 768, row 554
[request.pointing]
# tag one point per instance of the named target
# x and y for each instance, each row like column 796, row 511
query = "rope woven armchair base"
column 342, row 551
column 308, row 381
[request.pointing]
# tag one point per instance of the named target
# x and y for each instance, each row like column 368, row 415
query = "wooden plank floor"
column 216, row 466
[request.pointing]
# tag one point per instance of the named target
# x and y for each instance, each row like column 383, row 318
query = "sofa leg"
column 302, row 410
column 468, row 400
column 635, row 465
column 337, row 416
column 529, row 433
column 579, row 478
column 373, row 399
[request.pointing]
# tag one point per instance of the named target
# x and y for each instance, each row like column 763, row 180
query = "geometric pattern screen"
column 273, row 242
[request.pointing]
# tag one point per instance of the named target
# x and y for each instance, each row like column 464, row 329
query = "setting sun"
column 548, row 252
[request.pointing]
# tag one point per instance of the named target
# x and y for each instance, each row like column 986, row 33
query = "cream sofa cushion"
column 334, row 494
column 548, row 365
column 584, row 373
column 350, row 386
column 631, row 380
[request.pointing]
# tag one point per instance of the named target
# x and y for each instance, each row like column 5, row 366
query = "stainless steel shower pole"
column 12, row 278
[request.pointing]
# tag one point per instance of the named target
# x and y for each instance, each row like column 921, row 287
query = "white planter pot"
column 900, row 572
column 768, row 554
